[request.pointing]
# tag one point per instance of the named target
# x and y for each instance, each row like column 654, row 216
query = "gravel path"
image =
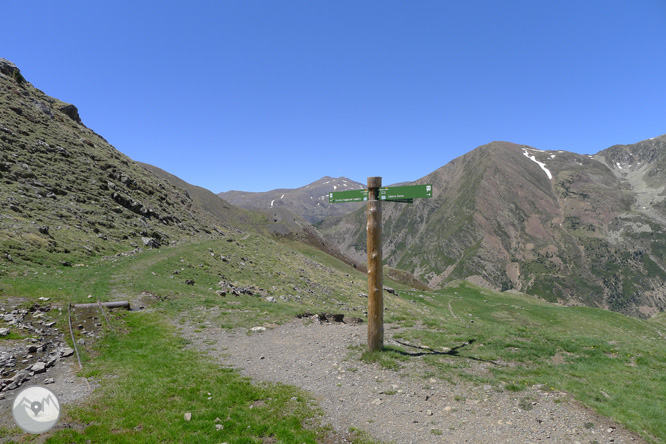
column 400, row 406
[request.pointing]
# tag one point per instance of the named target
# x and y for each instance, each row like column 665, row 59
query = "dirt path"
column 402, row 406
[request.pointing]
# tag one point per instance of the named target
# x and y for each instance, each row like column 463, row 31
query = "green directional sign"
column 405, row 193
column 348, row 196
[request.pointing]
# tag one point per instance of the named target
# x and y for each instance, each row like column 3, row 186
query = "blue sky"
column 256, row 95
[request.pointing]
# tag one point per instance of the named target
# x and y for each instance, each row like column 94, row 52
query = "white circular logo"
column 36, row 409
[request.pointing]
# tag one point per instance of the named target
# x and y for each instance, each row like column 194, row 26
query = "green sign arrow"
column 348, row 196
column 405, row 193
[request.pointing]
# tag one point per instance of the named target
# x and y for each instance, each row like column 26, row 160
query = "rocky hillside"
column 279, row 222
column 65, row 192
column 310, row 201
column 580, row 229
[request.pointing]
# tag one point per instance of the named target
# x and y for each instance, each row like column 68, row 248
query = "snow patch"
column 618, row 165
column 552, row 156
column 272, row 202
column 335, row 187
column 541, row 164
column 282, row 197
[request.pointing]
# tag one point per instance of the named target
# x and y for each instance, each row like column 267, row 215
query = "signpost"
column 405, row 193
column 348, row 196
column 374, row 195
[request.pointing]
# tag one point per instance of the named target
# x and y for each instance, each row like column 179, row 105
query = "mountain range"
column 578, row 229
column 569, row 228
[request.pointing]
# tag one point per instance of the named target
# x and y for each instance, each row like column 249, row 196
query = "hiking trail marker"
column 375, row 195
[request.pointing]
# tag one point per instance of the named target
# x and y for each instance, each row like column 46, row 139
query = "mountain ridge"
column 556, row 224
column 309, row 201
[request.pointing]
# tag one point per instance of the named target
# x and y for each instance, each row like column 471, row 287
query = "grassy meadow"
column 150, row 379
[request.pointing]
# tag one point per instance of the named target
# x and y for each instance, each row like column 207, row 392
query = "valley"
column 534, row 260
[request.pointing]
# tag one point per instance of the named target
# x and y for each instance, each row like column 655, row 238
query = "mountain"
column 579, row 229
column 280, row 221
column 66, row 192
column 310, row 201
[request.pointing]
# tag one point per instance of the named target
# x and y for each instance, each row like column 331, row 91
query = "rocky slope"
column 581, row 229
column 65, row 192
column 310, row 201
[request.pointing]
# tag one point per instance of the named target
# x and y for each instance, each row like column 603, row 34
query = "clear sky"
column 256, row 95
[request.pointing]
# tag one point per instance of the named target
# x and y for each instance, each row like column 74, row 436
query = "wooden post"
column 375, row 284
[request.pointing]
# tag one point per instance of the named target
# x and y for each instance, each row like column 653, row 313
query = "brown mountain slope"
column 559, row 225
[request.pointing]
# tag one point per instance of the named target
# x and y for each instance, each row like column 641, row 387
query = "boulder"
column 71, row 111
column 9, row 69
column 150, row 242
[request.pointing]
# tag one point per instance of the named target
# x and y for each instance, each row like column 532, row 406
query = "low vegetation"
column 611, row 363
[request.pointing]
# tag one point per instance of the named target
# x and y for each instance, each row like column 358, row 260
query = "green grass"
column 612, row 363
column 609, row 362
column 147, row 400
column 389, row 357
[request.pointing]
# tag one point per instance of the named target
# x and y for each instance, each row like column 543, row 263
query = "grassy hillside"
column 611, row 363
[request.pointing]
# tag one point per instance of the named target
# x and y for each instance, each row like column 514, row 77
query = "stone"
column 65, row 352
column 4, row 331
column 189, row 282
column 71, row 111
column 81, row 341
column 257, row 329
column 219, row 427
column 7, row 67
column 49, row 381
column 150, row 242
column 271, row 299
column 188, row 416
column 38, row 367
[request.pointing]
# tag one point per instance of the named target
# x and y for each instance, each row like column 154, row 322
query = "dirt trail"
column 404, row 406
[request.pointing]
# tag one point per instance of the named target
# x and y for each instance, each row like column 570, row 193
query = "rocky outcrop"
column 9, row 69
column 71, row 111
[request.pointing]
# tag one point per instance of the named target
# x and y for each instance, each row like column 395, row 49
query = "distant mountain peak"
column 309, row 201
